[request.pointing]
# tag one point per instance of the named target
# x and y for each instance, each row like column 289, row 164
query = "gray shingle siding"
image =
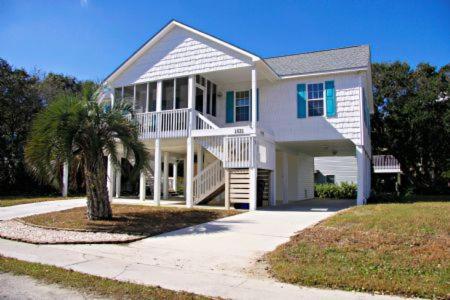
column 321, row 61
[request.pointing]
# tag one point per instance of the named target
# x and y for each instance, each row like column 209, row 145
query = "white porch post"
column 360, row 162
column 118, row 180
column 166, row 176
column 184, row 176
column 157, row 175
column 254, row 95
column 142, row 187
column 110, row 178
column 175, row 176
column 284, row 178
column 199, row 159
column 190, row 145
column 65, row 185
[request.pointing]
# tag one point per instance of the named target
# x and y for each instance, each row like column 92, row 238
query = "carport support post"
column 166, row 176
column 284, row 178
column 360, row 162
column 273, row 188
column 65, row 187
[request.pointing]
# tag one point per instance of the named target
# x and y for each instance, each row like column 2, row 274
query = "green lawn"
column 10, row 201
column 388, row 248
column 89, row 284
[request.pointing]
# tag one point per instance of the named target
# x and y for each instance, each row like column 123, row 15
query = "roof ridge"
column 315, row 51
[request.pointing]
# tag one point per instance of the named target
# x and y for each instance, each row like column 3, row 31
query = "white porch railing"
column 214, row 144
column 203, row 123
column 238, row 151
column 163, row 124
column 385, row 164
column 207, row 181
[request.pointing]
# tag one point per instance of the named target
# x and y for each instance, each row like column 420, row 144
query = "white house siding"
column 278, row 109
column 344, row 168
column 299, row 184
column 180, row 53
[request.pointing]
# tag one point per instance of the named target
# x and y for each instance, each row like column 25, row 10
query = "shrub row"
column 329, row 190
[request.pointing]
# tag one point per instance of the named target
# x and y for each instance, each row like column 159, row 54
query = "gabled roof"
column 155, row 38
column 349, row 58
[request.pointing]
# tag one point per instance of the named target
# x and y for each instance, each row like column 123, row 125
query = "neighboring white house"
column 335, row 169
column 253, row 125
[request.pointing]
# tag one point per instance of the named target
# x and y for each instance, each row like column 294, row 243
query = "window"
column 330, row 179
column 242, row 106
column 315, row 99
column 141, row 98
column 181, row 93
column 167, row 94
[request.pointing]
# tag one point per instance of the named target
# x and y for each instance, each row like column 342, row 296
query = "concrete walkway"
column 216, row 258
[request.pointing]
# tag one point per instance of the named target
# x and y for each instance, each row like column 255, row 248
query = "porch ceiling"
column 320, row 148
column 242, row 74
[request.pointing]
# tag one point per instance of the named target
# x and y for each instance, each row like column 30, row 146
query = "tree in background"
column 19, row 102
column 412, row 121
column 81, row 131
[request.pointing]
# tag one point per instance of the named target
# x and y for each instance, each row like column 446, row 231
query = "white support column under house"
column 65, row 181
column 166, row 176
column 273, row 188
column 190, row 146
column 157, row 171
column 284, row 178
column 253, row 174
column 175, row 176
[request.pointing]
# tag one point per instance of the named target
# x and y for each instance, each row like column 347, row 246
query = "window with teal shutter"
column 330, row 95
column 301, row 101
column 230, row 107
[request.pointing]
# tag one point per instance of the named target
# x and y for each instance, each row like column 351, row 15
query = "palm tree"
column 78, row 130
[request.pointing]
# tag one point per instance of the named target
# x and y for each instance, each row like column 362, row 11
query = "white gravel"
column 19, row 231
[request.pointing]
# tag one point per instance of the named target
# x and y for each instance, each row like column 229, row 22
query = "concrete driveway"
column 216, row 258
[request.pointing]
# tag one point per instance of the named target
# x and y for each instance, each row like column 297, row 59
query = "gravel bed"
column 18, row 231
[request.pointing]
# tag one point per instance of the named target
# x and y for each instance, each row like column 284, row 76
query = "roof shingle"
column 321, row 61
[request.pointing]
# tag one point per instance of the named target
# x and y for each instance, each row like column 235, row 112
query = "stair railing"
column 207, row 181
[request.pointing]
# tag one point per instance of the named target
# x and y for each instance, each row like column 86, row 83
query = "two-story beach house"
column 247, row 128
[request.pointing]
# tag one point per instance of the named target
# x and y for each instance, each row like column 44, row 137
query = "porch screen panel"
column 118, row 95
column 141, row 98
column 214, row 100
column 167, row 94
column 152, row 96
column 128, row 94
column 208, row 97
column 181, row 95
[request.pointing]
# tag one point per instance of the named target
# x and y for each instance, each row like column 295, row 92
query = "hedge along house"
column 245, row 127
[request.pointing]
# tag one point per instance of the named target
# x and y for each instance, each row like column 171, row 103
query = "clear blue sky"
column 90, row 38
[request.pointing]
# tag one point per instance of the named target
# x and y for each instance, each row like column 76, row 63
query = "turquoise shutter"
column 257, row 104
column 330, row 95
column 230, row 107
column 301, row 101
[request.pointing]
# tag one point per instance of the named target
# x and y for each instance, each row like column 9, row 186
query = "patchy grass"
column 386, row 248
column 130, row 219
column 90, row 284
column 10, row 201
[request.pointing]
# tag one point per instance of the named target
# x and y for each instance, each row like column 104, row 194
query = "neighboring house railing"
column 385, row 164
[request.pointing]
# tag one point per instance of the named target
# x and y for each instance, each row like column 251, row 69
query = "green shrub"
column 329, row 190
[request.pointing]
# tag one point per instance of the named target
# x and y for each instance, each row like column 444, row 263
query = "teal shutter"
column 301, row 100
column 230, row 107
column 257, row 104
column 330, row 96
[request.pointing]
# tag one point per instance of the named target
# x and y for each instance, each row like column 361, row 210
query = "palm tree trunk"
column 98, row 205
